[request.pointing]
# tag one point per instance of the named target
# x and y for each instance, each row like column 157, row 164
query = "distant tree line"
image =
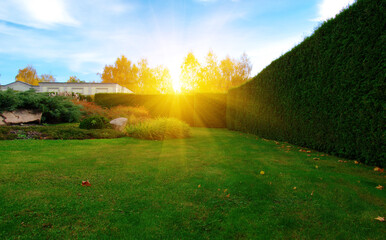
column 211, row 76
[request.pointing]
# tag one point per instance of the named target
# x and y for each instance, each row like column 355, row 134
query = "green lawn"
column 178, row 189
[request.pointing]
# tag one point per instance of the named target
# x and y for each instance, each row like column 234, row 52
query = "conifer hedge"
column 198, row 110
column 327, row 93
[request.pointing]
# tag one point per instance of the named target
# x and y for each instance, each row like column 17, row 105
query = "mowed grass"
column 208, row 186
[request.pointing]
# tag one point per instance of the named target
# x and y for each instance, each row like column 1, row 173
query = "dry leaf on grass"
column 379, row 187
column 86, row 183
column 381, row 219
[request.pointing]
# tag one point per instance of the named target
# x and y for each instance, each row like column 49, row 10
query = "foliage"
column 327, row 93
column 210, row 77
column 94, row 122
column 198, row 110
column 213, row 76
column 133, row 114
column 55, row 109
column 74, row 79
column 30, row 76
column 138, row 78
column 159, row 129
column 47, row 78
column 150, row 190
column 59, row 131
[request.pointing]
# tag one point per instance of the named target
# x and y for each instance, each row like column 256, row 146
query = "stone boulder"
column 2, row 121
column 119, row 123
column 20, row 116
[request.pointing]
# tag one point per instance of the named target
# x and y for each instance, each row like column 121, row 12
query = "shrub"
column 94, row 122
column 159, row 129
column 327, row 93
column 58, row 131
column 88, row 109
column 55, row 109
column 199, row 110
column 133, row 114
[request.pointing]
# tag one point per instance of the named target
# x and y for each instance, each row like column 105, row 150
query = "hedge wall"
column 198, row 110
column 327, row 93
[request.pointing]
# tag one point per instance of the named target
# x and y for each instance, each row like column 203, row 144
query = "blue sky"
column 79, row 37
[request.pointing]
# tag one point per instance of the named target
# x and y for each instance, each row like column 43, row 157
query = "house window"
column 53, row 90
column 77, row 90
column 101, row 90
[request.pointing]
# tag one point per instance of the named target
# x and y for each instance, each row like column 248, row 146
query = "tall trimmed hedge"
column 327, row 93
column 198, row 110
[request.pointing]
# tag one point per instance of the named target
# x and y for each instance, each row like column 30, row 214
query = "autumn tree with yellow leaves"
column 29, row 75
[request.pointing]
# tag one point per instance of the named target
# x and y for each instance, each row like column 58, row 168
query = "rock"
column 2, row 123
column 119, row 123
column 21, row 116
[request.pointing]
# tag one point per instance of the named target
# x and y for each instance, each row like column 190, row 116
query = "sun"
column 176, row 85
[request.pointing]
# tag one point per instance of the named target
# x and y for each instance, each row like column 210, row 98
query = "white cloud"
column 36, row 13
column 329, row 8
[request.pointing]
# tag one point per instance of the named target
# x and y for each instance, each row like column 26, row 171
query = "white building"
column 82, row 88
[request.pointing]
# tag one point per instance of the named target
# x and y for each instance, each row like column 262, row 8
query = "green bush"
column 159, row 129
column 55, row 109
column 57, row 131
column 327, row 93
column 198, row 110
column 94, row 122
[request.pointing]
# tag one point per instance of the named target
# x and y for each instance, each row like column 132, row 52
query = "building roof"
column 77, row 83
column 30, row 85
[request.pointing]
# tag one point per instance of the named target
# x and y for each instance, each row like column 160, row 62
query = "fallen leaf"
column 262, row 172
column 340, row 160
column 219, row 189
column 294, row 188
column 86, row 183
column 376, row 169
column 199, row 185
column 381, row 219
column 316, row 166
column 47, row 225
column 322, row 155
column 316, row 159
column 228, row 195
column 356, row 162
column 225, row 190
column 312, row 193
column 110, row 179
column 379, row 187
column 308, row 155
column 309, row 151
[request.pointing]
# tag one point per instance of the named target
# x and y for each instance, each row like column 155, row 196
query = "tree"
column 146, row 80
column 234, row 72
column 190, row 74
column 74, row 79
column 211, row 77
column 47, row 78
column 228, row 72
column 122, row 72
column 28, row 75
column 163, row 80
